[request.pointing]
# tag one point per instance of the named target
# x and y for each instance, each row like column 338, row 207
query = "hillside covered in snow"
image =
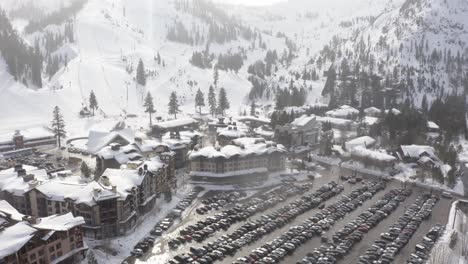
column 375, row 53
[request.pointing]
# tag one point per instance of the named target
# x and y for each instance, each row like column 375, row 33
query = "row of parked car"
column 220, row 200
column 251, row 232
column 385, row 249
column 202, row 229
column 147, row 243
column 423, row 249
column 275, row 250
column 344, row 239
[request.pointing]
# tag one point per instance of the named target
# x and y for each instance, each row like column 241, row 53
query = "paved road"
column 440, row 215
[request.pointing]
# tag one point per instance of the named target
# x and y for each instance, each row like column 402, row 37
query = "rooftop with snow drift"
column 246, row 147
column 362, row 152
column 343, row 111
column 122, row 154
column 30, row 133
column 100, row 139
column 415, row 151
column 176, row 123
column 303, row 120
column 364, row 141
column 19, row 182
column 18, row 232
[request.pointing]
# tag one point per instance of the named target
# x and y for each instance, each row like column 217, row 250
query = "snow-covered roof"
column 432, row 125
column 15, row 237
column 181, row 122
column 60, row 189
column 372, row 154
column 334, row 120
column 265, row 133
column 253, row 119
column 122, row 155
column 11, row 182
column 303, row 120
column 7, row 209
column 372, row 111
column 343, row 112
column 124, row 180
column 369, row 120
column 415, row 151
column 229, row 173
column 231, row 132
column 234, row 150
column 91, row 193
column 154, row 164
column 28, row 134
column 394, row 111
column 62, row 222
column 99, row 139
column 364, row 141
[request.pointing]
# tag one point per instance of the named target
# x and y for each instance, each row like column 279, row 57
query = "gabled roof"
column 62, row 222
column 15, row 237
column 303, row 120
column 123, row 155
column 98, row 139
column 249, row 147
column 181, row 122
column 343, row 111
column 415, row 151
column 372, row 154
column 253, row 119
column 7, row 210
column 11, row 182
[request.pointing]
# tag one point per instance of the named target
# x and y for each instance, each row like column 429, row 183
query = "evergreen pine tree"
column 93, row 104
column 212, row 100
column 91, row 258
column 58, row 125
column 173, row 105
column 252, row 109
column 149, row 107
column 199, row 100
column 424, row 106
column 223, row 103
column 85, row 171
column 216, row 76
column 141, row 77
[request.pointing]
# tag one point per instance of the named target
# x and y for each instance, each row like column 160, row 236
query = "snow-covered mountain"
column 110, row 36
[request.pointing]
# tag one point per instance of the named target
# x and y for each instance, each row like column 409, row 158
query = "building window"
column 59, row 245
column 32, row 256
column 49, row 202
column 41, row 252
column 51, row 249
column 59, row 254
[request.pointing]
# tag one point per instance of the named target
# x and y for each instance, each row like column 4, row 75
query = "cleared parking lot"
column 163, row 253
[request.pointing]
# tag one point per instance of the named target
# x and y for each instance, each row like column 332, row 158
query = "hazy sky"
column 250, row 2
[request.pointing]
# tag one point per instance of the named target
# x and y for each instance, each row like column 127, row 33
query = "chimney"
column 33, row 184
column 96, row 192
column 28, row 178
column 114, row 189
column 140, row 171
column 145, row 167
column 18, row 167
column 30, row 219
column 115, row 146
column 105, row 180
column 139, row 140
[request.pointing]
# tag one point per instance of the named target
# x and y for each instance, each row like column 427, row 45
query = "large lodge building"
column 247, row 159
